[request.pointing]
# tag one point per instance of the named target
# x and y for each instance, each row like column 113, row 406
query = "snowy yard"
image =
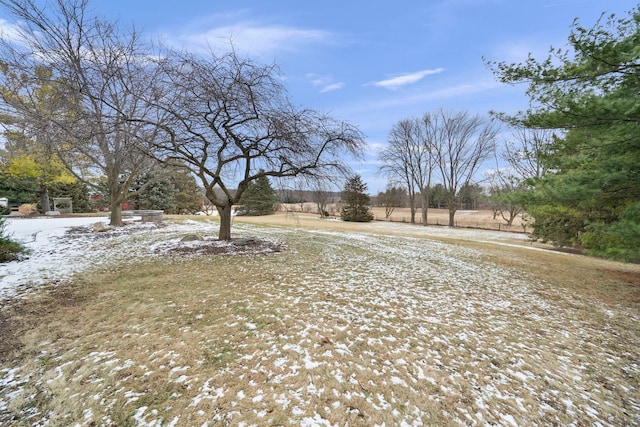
column 342, row 327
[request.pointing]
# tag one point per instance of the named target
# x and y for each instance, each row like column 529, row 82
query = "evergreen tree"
column 187, row 196
column 169, row 187
column 438, row 196
column 591, row 91
column 9, row 249
column 259, row 198
column 77, row 191
column 159, row 194
column 356, row 201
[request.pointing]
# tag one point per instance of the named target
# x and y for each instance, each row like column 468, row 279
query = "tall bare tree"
column 462, row 142
column 527, row 152
column 409, row 156
column 425, row 160
column 397, row 159
column 102, row 72
column 231, row 120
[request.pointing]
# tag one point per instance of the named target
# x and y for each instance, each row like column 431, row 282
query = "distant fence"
column 466, row 223
column 477, row 219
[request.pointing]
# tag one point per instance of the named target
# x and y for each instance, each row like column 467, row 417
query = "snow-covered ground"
column 60, row 247
column 47, row 259
column 53, row 256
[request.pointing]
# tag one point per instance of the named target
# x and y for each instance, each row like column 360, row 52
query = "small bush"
column 9, row 249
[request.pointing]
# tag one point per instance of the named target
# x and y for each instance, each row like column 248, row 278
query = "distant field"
column 473, row 219
column 360, row 324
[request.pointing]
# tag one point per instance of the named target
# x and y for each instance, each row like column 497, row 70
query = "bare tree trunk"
column 115, row 218
column 225, row 221
column 452, row 205
column 412, row 207
column 425, row 205
column 513, row 212
column 322, row 209
column 44, row 199
column 388, row 210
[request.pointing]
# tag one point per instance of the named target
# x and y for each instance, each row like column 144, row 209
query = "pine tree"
column 259, row 198
column 590, row 197
column 168, row 186
column 356, row 201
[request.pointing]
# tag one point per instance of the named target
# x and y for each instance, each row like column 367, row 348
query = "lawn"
column 325, row 323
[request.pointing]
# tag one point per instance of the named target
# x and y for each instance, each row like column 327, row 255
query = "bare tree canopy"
column 461, row 142
column 99, row 75
column 398, row 159
column 452, row 146
column 230, row 119
column 413, row 138
column 527, row 152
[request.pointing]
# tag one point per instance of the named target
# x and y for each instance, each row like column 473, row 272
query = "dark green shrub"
column 557, row 224
column 9, row 249
column 619, row 240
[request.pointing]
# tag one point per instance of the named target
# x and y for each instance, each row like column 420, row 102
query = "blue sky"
column 373, row 63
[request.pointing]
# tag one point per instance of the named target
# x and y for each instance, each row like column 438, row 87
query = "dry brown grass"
column 347, row 326
column 483, row 219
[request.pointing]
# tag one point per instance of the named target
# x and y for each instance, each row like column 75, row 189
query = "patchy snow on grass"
column 343, row 328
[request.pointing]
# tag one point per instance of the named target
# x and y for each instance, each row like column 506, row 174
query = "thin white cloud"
column 318, row 80
column 331, row 87
column 462, row 89
column 325, row 83
column 400, row 104
column 406, row 79
column 255, row 39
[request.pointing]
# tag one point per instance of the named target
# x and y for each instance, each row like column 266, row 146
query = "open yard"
column 316, row 322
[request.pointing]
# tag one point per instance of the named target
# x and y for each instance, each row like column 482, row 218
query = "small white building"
column 4, row 202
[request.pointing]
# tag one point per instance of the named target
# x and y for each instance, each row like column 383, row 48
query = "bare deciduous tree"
column 526, row 154
column 230, row 119
column 461, row 143
column 391, row 198
column 397, row 160
column 504, row 191
column 320, row 194
column 102, row 72
column 527, row 151
column 410, row 156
